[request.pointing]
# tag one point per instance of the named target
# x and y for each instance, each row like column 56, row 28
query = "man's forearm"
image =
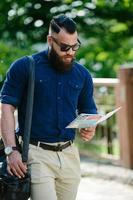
column 8, row 124
column 15, row 165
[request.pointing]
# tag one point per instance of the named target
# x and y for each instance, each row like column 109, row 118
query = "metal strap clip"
column 38, row 145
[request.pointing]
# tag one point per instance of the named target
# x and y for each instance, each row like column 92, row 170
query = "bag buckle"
column 38, row 144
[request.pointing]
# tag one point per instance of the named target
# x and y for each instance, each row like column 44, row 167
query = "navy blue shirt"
column 57, row 97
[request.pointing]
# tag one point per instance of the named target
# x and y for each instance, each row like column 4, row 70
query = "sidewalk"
column 103, row 170
column 102, row 180
column 92, row 188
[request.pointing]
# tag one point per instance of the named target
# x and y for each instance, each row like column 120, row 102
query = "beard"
column 57, row 62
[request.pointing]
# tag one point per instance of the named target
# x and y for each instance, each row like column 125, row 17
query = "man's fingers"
column 23, row 168
column 87, row 136
column 87, row 133
column 9, row 170
column 89, row 128
column 15, row 172
column 18, row 171
column 12, row 171
column 15, row 166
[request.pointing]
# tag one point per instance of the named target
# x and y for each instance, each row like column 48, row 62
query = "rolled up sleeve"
column 15, row 83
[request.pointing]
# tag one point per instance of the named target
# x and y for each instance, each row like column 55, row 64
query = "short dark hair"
column 62, row 21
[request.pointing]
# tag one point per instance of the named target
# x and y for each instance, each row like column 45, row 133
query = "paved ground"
column 103, row 181
column 99, row 189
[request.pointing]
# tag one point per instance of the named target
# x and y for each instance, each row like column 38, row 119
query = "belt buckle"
column 58, row 147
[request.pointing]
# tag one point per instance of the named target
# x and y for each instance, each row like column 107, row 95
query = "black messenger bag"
column 12, row 187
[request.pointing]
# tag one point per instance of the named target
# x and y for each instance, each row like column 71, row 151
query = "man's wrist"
column 9, row 149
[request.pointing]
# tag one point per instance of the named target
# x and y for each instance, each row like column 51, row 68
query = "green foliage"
column 8, row 54
column 105, row 29
column 97, row 148
column 104, row 58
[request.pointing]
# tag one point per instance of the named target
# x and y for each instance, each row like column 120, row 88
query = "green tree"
column 105, row 29
column 8, row 54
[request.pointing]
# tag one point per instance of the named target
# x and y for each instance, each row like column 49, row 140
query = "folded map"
column 88, row 120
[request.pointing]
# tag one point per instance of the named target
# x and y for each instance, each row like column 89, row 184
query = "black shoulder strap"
column 29, row 108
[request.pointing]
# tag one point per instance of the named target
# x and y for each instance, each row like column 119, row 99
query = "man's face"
column 62, row 50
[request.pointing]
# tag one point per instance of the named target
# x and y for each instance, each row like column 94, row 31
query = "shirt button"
column 58, row 98
column 59, row 83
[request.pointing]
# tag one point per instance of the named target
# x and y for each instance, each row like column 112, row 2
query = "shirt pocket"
column 74, row 90
column 42, row 87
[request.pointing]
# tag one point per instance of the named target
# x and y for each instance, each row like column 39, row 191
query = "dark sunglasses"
column 67, row 47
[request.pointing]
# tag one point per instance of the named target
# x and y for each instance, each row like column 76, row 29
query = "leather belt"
column 58, row 147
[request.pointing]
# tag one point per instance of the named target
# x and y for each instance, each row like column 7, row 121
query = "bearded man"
column 63, row 88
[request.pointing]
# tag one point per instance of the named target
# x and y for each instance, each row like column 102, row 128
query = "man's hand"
column 15, row 166
column 87, row 133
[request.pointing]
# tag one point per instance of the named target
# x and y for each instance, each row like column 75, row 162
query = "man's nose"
column 70, row 52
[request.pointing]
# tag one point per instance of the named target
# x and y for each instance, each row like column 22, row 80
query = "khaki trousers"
column 54, row 175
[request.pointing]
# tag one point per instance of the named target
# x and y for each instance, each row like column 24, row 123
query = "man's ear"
column 49, row 40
